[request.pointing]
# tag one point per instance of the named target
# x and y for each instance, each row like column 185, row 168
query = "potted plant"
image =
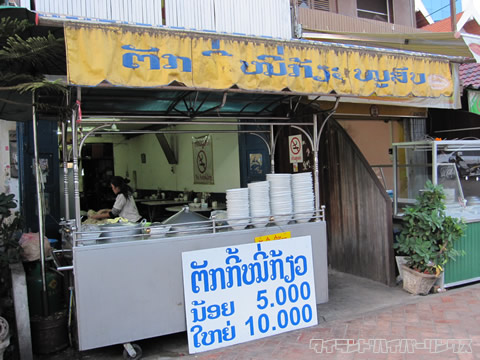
column 427, row 239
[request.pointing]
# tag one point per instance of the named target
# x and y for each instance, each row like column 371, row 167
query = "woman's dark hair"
column 121, row 183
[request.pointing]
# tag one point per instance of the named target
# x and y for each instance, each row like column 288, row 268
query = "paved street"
column 358, row 310
column 450, row 320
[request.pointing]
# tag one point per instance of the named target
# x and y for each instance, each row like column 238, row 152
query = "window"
column 323, row 5
column 379, row 10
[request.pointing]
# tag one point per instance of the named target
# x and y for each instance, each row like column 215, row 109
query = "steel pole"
column 38, row 181
column 316, row 181
column 65, row 170
column 272, row 150
column 76, row 183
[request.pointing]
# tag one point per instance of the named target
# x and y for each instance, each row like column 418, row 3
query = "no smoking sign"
column 295, row 148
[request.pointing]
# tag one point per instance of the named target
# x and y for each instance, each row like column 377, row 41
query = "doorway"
column 97, row 164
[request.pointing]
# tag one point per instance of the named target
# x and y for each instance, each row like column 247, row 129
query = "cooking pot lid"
column 185, row 216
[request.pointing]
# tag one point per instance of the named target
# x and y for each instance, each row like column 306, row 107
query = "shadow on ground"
column 349, row 297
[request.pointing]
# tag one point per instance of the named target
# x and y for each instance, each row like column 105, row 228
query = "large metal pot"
column 119, row 232
column 89, row 234
column 186, row 222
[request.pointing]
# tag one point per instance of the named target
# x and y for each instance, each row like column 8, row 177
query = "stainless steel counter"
column 133, row 290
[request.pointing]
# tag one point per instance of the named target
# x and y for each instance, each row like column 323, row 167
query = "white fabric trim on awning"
column 433, row 43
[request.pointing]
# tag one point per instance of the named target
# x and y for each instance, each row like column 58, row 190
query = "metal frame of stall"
column 212, row 226
column 76, row 148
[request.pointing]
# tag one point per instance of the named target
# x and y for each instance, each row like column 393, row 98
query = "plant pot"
column 417, row 283
column 401, row 260
column 49, row 334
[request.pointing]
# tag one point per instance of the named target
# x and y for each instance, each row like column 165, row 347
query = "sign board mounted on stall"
column 246, row 292
column 202, row 160
column 295, row 149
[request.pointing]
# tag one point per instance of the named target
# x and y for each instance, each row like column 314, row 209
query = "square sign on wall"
column 246, row 292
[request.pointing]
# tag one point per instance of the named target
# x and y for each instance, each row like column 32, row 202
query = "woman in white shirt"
column 124, row 206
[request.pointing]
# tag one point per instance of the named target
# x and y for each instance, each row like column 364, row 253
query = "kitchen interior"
column 161, row 172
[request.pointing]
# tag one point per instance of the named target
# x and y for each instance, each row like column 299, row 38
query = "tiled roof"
column 444, row 25
column 470, row 75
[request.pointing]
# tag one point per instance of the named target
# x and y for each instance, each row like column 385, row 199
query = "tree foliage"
column 25, row 59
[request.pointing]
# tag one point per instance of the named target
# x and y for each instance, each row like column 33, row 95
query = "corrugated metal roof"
column 397, row 49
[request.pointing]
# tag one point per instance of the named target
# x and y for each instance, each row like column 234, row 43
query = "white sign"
column 241, row 293
column 295, row 149
column 202, row 160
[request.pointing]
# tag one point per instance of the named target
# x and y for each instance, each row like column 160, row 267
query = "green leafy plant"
column 24, row 59
column 10, row 250
column 428, row 234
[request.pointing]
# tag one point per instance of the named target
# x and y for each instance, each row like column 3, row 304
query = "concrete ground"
column 358, row 308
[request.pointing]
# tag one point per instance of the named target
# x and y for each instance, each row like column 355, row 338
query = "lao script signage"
column 148, row 58
column 246, row 292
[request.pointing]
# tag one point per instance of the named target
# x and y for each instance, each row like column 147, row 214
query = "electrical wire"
column 443, row 7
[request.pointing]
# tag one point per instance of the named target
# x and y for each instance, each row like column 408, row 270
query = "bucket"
column 49, row 334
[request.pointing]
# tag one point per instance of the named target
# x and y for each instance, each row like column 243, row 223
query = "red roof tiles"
column 470, row 75
column 445, row 25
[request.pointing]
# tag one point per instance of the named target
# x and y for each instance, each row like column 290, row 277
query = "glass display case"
column 455, row 164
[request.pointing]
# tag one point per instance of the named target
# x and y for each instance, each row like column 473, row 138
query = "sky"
column 434, row 5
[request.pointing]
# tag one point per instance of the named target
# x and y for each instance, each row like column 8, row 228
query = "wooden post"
column 453, row 15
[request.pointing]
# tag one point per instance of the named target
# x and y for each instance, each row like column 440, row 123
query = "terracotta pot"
column 417, row 283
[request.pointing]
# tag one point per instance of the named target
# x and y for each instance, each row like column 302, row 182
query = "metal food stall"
column 454, row 164
column 137, row 270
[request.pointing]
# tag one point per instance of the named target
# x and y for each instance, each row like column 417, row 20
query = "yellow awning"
column 141, row 57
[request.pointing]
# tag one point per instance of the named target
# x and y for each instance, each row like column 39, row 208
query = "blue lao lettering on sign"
column 269, row 67
column 199, row 274
column 397, row 75
column 326, row 74
column 421, row 77
column 400, row 75
column 298, row 65
column 373, row 75
column 296, row 270
column 216, row 50
column 173, row 62
column 210, row 337
column 201, row 311
column 130, row 59
column 263, row 268
column 232, row 256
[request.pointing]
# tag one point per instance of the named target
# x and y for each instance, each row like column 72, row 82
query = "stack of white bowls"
column 238, row 208
column 281, row 197
column 303, row 199
column 259, row 202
